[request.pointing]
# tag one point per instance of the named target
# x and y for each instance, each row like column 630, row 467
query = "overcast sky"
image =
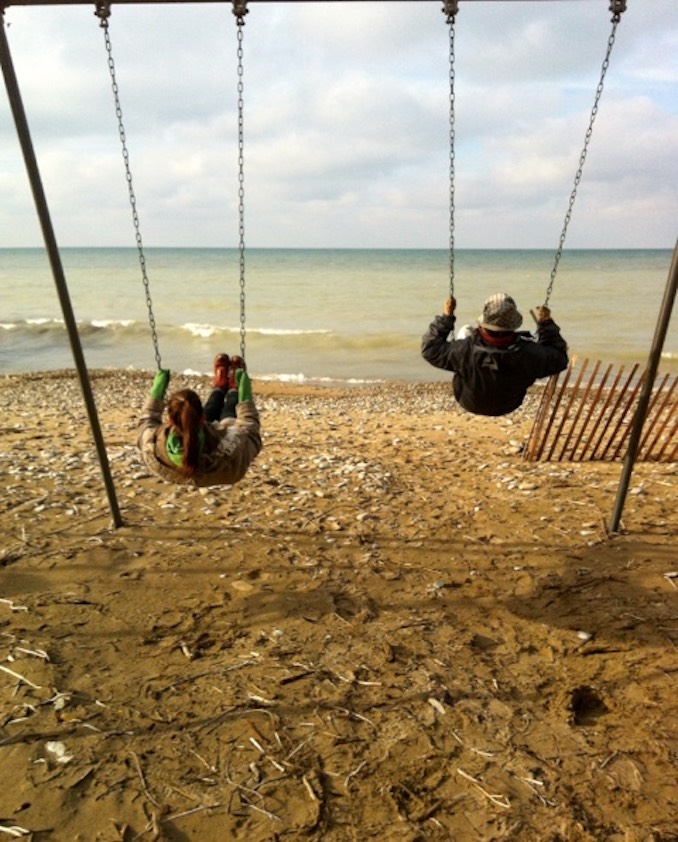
column 346, row 124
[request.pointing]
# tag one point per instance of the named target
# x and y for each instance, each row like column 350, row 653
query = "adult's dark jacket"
column 489, row 380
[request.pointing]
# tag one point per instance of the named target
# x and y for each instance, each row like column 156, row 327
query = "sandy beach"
column 394, row 628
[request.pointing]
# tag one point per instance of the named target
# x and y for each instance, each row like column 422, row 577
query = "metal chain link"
column 582, row 157
column 452, row 156
column 103, row 12
column 450, row 9
column 241, row 175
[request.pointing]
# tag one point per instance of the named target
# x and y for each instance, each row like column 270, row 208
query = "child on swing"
column 202, row 446
column 494, row 364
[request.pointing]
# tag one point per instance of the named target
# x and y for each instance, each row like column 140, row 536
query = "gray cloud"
column 346, row 124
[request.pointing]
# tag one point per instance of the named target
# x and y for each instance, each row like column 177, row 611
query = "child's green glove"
column 160, row 383
column 242, row 378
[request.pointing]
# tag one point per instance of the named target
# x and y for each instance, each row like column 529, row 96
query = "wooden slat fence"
column 589, row 414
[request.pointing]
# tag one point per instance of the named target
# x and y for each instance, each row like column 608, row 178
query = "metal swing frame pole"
column 663, row 320
column 42, row 209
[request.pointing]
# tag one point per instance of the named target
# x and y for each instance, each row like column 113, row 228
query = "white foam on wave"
column 202, row 330
column 266, row 331
column 205, row 331
column 304, row 379
column 106, row 323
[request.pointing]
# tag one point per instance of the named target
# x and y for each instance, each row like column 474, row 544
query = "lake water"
column 316, row 314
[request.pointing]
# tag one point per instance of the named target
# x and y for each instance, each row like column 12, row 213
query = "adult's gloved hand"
column 160, row 383
column 242, row 378
column 543, row 314
column 449, row 306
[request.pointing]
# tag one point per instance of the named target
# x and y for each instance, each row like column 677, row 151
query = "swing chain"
column 240, row 10
column 450, row 9
column 103, row 12
column 616, row 7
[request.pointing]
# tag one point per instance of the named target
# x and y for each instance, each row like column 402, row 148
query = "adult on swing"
column 494, row 364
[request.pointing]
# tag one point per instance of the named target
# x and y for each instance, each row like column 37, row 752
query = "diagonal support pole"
column 644, row 400
column 42, row 209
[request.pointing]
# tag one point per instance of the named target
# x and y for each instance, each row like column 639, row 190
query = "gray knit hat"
column 500, row 313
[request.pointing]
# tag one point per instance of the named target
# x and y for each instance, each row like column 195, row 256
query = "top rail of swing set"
column 7, row 3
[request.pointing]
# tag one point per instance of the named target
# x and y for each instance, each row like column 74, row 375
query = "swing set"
column 450, row 10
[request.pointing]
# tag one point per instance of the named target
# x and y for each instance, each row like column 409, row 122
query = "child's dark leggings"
column 220, row 404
